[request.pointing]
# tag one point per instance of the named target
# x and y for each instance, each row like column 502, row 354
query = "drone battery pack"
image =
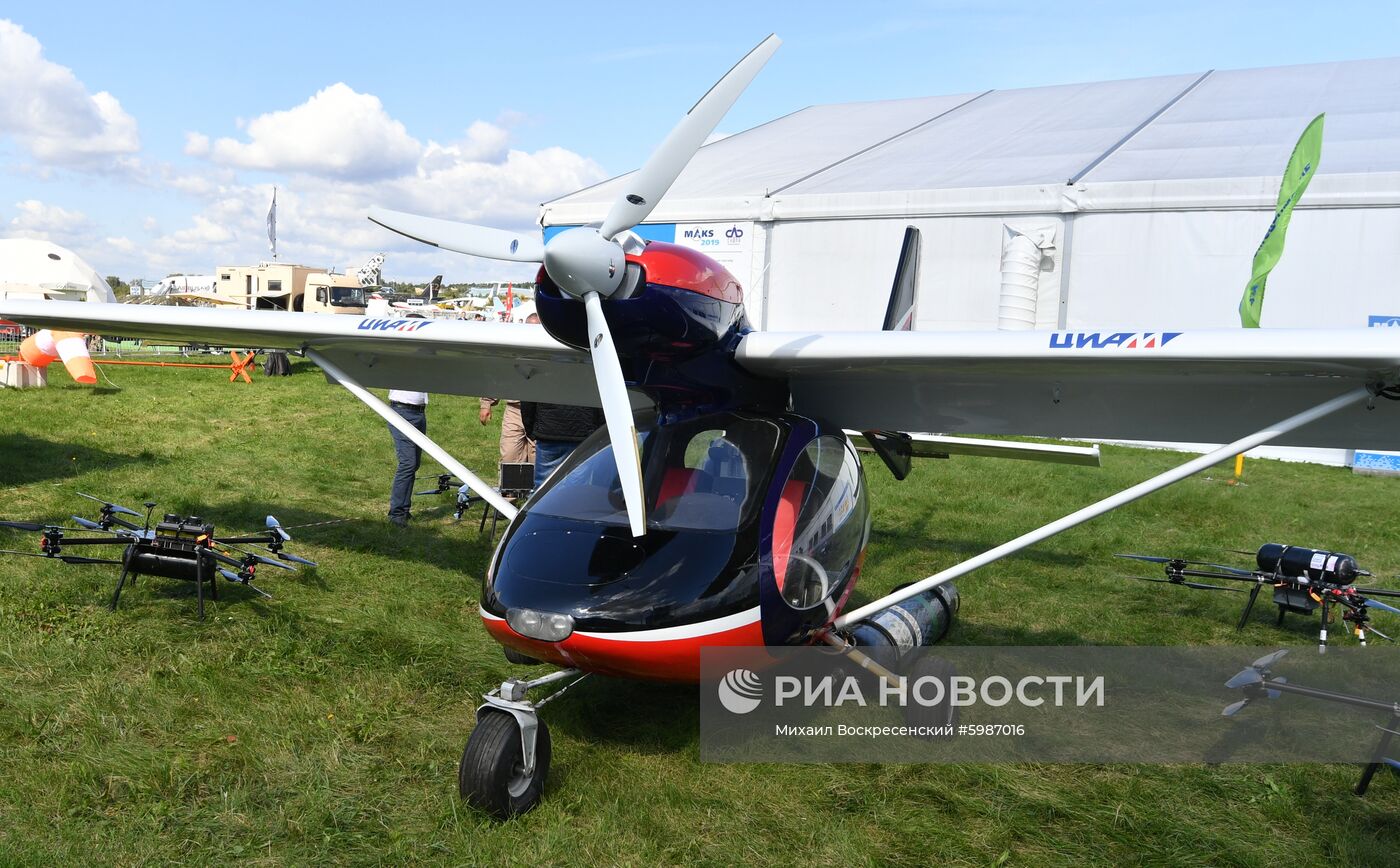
column 1294, row 600
column 517, row 477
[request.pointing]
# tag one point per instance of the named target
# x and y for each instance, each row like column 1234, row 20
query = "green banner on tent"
column 1302, row 165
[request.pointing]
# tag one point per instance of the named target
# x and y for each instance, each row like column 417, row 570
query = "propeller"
column 1376, row 604
column 85, row 522
column 1185, row 584
column 67, row 559
column 287, row 556
column 276, row 527
column 24, row 525
column 1233, row 571
column 235, row 577
column 112, row 506
column 1269, row 659
column 590, row 262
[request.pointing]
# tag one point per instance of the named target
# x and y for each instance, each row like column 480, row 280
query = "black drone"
column 176, row 547
column 1257, row 681
column 1303, row 580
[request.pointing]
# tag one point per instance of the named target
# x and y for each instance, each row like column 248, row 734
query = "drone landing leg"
column 1248, row 607
column 199, row 584
column 117, row 594
column 1378, row 758
column 121, row 580
column 1322, row 634
column 1281, row 612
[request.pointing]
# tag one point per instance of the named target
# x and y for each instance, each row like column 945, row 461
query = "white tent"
column 1141, row 202
column 1158, row 191
column 32, row 269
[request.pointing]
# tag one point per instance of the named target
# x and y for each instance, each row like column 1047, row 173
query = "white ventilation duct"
column 1021, row 253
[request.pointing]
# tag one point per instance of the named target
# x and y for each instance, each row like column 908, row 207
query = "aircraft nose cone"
column 581, row 261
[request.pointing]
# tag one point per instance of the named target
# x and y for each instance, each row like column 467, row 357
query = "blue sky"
column 481, row 111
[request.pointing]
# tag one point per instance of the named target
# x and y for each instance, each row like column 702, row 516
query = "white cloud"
column 36, row 219
column 196, row 144
column 337, row 132
column 321, row 208
column 49, row 112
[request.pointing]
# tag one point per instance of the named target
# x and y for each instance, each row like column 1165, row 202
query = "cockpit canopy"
column 719, row 462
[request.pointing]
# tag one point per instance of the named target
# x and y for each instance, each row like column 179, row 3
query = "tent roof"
column 1201, row 126
column 31, row 266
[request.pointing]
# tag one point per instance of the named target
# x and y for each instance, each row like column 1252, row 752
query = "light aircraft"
column 723, row 503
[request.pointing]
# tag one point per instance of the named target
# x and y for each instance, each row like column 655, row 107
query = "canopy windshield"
column 704, row 474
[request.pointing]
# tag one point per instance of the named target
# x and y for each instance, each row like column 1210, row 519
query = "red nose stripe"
column 660, row 660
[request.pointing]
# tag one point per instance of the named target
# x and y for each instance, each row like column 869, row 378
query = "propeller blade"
column 112, row 506
column 87, row 523
column 1244, row 678
column 271, row 563
column 617, row 409
column 462, row 237
column 230, row 575
column 1154, row 559
column 1233, row 708
column 294, row 559
column 1275, row 694
column 67, row 559
column 670, row 159
column 1203, row 587
column 23, row 525
column 1270, row 659
column 254, row 587
column 1150, row 579
column 274, row 525
column 1376, row 604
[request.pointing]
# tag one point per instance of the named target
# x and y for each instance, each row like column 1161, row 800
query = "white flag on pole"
column 272, row 224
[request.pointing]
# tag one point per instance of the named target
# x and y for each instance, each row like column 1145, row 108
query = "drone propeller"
column 242, row 580
column 1376, row 604
column 590, row 262
column 86, row 523
column 25, row 525
column 1154, row 559
column 276, row 527
column 1370, row 629
column 1270, row 659
column 67, row 559
column 112, row 506
column 1199, row 586
column 287, row 556
column 257, row 558
column 1233, row 708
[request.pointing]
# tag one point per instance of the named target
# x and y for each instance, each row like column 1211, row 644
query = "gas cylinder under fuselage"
column 757, row 518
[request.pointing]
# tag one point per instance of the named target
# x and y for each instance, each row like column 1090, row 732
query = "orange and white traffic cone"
column 43, row 348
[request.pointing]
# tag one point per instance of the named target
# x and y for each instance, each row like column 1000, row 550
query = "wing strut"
column 1111, row 502
column 474, row 482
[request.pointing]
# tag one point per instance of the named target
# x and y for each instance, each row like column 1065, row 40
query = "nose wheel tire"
column 492, row 773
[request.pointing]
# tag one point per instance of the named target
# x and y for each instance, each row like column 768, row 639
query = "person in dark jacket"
column 557, row 430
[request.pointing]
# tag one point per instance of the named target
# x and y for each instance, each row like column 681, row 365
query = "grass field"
column 325, row 726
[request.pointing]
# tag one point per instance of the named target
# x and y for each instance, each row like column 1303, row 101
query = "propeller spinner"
column 589, row 263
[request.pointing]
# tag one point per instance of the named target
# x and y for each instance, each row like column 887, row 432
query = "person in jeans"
column 413, row 407
column 557, row 430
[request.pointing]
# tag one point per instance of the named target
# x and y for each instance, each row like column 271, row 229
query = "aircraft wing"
column 1209, row 386
column 509, row 360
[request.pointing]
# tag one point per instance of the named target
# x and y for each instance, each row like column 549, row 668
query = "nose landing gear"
column 506, row 760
